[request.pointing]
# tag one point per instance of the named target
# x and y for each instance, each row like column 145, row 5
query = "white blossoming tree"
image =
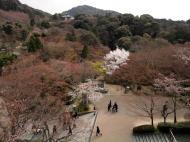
column 115, row 59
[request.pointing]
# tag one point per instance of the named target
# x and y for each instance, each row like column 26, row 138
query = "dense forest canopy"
column 110, row 29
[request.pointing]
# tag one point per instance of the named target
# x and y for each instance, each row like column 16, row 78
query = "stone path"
column 80, row 134
column 83, row 130
column 117, row 127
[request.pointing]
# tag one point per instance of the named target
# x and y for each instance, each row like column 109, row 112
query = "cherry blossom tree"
column 115, row 59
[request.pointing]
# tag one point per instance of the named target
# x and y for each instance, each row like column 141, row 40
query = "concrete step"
column 151, row 138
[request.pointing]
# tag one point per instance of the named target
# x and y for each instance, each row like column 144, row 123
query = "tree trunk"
column 164, row 120
column 152, row 120
column 175, row 107
column 1, row 71
column 151, row 111
column 152, row 117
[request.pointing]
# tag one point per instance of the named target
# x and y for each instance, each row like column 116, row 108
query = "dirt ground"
column 117, row 127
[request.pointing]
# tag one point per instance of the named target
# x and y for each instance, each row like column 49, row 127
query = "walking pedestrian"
column 110, row 104
column 70, row 130
column 75, row 115
column 98, row 131
column 34, row 128
column 113, row 109
column 46, row 128
column 94, row 110
column 109, row 107
column 44, row 135
column 54, row 129
column 64, row 126
column 116, row 107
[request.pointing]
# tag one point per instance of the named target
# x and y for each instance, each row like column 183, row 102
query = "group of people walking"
column 68, row 120
column 43, row 130
column 112, row 108
column 46, row 133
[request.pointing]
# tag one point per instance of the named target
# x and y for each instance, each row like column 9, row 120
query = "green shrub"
column 5, row 59
column 7, row 28
column 123, row 31
column 70, row 37
column 89, row 39
column 144, row 129
column 68, row 100
column 82, row 107
column 24, row 34
column 45, row 24
column 85, row 52
column 34, row 43
column 32, row 22
column 125, row 42
column 18, row 25
column 44, row 54
column 181, row 127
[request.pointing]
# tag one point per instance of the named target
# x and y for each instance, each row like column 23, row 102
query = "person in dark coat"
column 70, row 130
column 110, row 103
column 116, row 107
column 98, row 131
column 113, row 108
column 54, row 129
column 94, row 110
column 109, row 106
column 75, row 115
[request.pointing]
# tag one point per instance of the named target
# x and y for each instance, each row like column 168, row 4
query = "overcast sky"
column 169, row 9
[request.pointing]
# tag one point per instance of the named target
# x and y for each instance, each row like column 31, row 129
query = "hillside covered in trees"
column 43, row 57
column 123, row 30
column 89, row 10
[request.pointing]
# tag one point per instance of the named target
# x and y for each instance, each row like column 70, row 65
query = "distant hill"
column 15, row 5
column 15, row 18
column 89, row 10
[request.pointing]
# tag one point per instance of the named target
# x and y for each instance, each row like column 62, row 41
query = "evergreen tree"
column 5, row 59
column 8, row 29
column 32, row 22
column 85, row 52
column 34, row 43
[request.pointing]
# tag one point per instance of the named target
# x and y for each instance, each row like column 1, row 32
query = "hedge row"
column 181, row 127
column 144, row 129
